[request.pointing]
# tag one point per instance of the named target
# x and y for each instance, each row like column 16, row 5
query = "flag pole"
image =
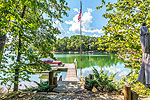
column 80, row 42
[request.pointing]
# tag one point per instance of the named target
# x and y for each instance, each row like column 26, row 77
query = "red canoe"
column 53, row 62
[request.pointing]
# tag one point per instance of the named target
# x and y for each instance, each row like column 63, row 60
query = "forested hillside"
column 73, row 43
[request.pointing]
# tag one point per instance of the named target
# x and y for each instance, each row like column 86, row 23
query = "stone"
column 94, row 90
column 93, row 96
column 34, row 91
column 52, row 93
column 78, row 97
column 21, row 95
column 52, row 96
column 29, row 93
column 64, row 98
column 79, row 91
column 42, row 93
column 90, row 92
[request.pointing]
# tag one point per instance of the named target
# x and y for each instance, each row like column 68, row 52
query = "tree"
column 72, row 43
column 30, row 35
column 3, row 23
column 122, row 32
column 2, row 43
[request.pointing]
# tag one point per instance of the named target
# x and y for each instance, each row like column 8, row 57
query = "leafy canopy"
column 73, row 43
column 23, row 21
column 122, row 32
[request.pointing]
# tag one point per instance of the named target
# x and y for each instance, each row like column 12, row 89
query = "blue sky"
column 92, row 20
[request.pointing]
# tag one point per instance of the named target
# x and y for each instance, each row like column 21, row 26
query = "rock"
column 40, row 98
column 93, row 96
column 78, row 97
column 21, row 95
column 34, row 91
column 2, row 97
column 52, row 97
column 29, row 93
column 52, row 93
column 42, row 93
column 90, row 92
column 73, row 97
column 62, row 94
column 64, row 98
column 94, row 90
column 57, row 90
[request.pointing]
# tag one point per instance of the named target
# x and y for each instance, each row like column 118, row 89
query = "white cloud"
column 86, row 23
column 69, row 22
column 59, row 26
column 95, row 35
column 76, row 9
column 94, row 31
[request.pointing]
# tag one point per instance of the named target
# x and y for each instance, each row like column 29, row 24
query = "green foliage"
column 73, row 43
column 89, row 84
column 42, row 87
column 122, row 32
column 137, row 86
column 103, row 82
column 122, row 29
column 29, row 35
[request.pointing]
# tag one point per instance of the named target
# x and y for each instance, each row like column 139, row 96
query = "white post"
column 75, row 63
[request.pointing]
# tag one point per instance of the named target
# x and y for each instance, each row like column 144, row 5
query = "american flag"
column 79, row 17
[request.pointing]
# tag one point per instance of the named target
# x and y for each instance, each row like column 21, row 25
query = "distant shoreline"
column 77, row 52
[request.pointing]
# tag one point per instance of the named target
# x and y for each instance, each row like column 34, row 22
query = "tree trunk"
column 2, row 43
column 17, row 69
column 16, row 79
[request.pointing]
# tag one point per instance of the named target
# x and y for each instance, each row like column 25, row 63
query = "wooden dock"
column 71, row 72
column 70, row 68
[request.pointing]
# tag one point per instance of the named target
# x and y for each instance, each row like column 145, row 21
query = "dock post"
column 55, row 81
column 50, row 78
column 127, row 92
column 75, row 62
column 134, row 95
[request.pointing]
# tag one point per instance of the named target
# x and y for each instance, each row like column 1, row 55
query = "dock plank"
column 70, row 68
column 71, row 73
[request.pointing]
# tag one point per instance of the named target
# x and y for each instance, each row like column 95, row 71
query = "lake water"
column 106, row 62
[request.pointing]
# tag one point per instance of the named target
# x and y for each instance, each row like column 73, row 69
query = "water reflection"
column 89, row 60
column 106, row 62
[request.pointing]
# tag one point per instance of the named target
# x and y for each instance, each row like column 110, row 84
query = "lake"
column 106, row 62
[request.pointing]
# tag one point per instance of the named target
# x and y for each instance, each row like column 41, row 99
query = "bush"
column 42, row 87
column 103, row 82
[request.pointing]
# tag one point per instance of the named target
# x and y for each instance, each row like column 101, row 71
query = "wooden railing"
column 75, row 63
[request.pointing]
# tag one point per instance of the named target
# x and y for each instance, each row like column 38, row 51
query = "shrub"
column 103, row 82
column 42, row 87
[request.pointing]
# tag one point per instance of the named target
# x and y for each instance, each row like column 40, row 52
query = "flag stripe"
column 79, row 17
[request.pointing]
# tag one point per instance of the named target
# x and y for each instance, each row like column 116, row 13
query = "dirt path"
column 67, row 91
column 76, row 91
